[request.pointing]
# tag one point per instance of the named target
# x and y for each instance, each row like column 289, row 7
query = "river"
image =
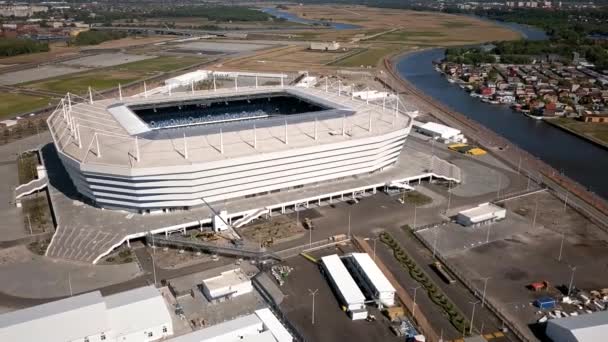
column 581, row 160
column 295, row 19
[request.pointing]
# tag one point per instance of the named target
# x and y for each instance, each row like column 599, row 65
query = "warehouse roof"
column 373, row 272
column 225, row 332
column 443, row 130
column 343, row 280
column 482, row 210
column 228, row 278
column 54, row 321
column 596, row 319
column 272, row 323
column 125, row 310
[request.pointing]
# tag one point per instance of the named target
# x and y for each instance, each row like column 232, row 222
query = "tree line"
column 19, row 46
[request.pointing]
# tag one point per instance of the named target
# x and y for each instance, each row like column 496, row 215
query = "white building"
column 186, row 80
column 139, row 315
column 371, row 278
column 324, row 46
column 481, row 214
column 591, row 327
column 261, row 326
column 441, row 133
column 228, row 284
column 346, row 288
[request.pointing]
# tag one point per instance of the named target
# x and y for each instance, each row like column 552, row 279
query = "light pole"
column 313, row 294
column 561, row 247
column 414, row 306
column 473, row 315
column 485, row 286
column 499, row 185
column 375, row 240
column 414, row 225
column 488, row 234
column 535, row 212
column 435, row 241
column 573, row 268
column 449, row 197
column 349, row 223
column 29, row 223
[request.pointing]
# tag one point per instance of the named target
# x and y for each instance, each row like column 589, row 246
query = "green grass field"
column 455, row 24
column 102, row 79
column 399, row 36
column 367, row 57
column 597, row 131
column 13, row 104
column 161, row 64
column 79, row 83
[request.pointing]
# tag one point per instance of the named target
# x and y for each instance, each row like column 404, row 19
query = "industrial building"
column 591, row 327
column 482, row 214
column 439, row 132
column 345, row 286
column 136, row 315
column 228, row 284
column 371, row 278
column 261, row 326
column 324, row 46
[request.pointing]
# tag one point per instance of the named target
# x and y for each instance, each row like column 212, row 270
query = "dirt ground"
column 279, row 229
column 518, row 260
column 456, row 29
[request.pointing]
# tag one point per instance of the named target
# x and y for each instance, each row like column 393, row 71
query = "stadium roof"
column 127, row 143
column 343, row 280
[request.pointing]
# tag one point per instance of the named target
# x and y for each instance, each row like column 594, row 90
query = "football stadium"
column 178, row 151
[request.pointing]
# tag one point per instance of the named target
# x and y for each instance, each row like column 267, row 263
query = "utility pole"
column 349, row 223
column 449, row 197
column 313, row 294
column 70, row 284
column 488, row 234
column 573, row 268
column 561, row 247
column 435, row 241
column 375, row 240
column 473, row 315
column 485, row 286
column 29, row 223
column 414, row 306
column 535, row 212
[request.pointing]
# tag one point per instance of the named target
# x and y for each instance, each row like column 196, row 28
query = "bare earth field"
column 452, row 29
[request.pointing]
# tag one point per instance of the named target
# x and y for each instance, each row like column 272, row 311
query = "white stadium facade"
column 220, row 157
column 118, row 160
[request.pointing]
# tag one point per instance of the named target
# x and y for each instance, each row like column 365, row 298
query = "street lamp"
column 573, row 269
column 485, row 286
column 472, row 315
column 313, row 294
column 414, row 306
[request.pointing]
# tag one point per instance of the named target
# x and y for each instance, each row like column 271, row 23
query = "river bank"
column 595, row 206
column 561, row 125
